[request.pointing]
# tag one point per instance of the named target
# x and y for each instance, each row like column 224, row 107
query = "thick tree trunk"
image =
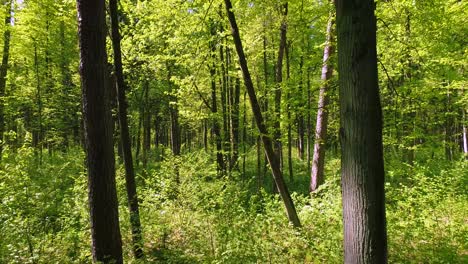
column 267, row 142
column 125, row 135
column 4, row 70
column 318, row 162
column 102, row 195
column 362, row 166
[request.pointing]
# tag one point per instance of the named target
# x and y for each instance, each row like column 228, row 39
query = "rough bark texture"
column 362, row 167
column 318, row 161
column 125, row 135
column 4, row 70
column 267, row 142
column 105, row 232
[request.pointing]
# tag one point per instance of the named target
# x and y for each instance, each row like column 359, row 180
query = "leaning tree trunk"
column 267, row 142
column 102, row 195
column 4, row 70
column 125, row 135
column 318, row 161
column 362, row 166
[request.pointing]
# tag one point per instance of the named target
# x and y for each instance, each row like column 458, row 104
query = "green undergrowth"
column 203, row 218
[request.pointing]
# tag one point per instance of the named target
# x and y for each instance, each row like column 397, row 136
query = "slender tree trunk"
column 137, row 139
column 4, row 70
column 318, row 162
column 38, row 131
column 102, row 195
column 309, row 121
column 362, row 166
column 214, row 105
column 267, row 142
column 279, row 81
column 265, row 106
column 146, row 126
column 288, row 110
column 125, row 135
column 465, row 136
column 300, row 117
column 175, row 126
column 235, row 125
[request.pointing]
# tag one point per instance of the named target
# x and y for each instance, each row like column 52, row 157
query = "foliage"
column 207, row 219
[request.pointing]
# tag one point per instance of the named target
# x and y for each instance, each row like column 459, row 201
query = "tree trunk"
column 38, row 128
column 175, row 127
column 102, row 195
column 146, row 126
column 362, row 166
column 235, row 124
column 279, row 80
column 288, row 110
column 125, row 135
column 318, row 162
column 300, row 114
column 309, row 121
column 4, row 69
column 267, row 142
column 214, row 105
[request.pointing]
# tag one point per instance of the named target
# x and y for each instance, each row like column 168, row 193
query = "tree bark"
column 318, row 161
column 4, row 70
column 362, row 166
column 214, row 105
column 288, row 111
column 267, row 142
column 235, row 125
column 103, row 206
column 279, row 80
column 132, row 196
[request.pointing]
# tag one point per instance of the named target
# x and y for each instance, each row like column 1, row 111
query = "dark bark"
column 318, row 161
column 132, row 196
column 4, row 70
column 279, row 81
column 105, row 232
column 175, row 126
column 214, row 105
column 362, row 166
column 267, row 142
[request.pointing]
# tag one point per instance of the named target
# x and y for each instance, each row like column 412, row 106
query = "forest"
column 235, row 131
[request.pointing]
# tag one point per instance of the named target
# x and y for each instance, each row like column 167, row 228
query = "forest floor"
column 210, row 219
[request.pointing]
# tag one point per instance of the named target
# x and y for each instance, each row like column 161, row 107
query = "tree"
column 105, row 231
column 273, row 159
column 362, row 167
column 125, row 135
column 4, row 69
column 318, row 161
